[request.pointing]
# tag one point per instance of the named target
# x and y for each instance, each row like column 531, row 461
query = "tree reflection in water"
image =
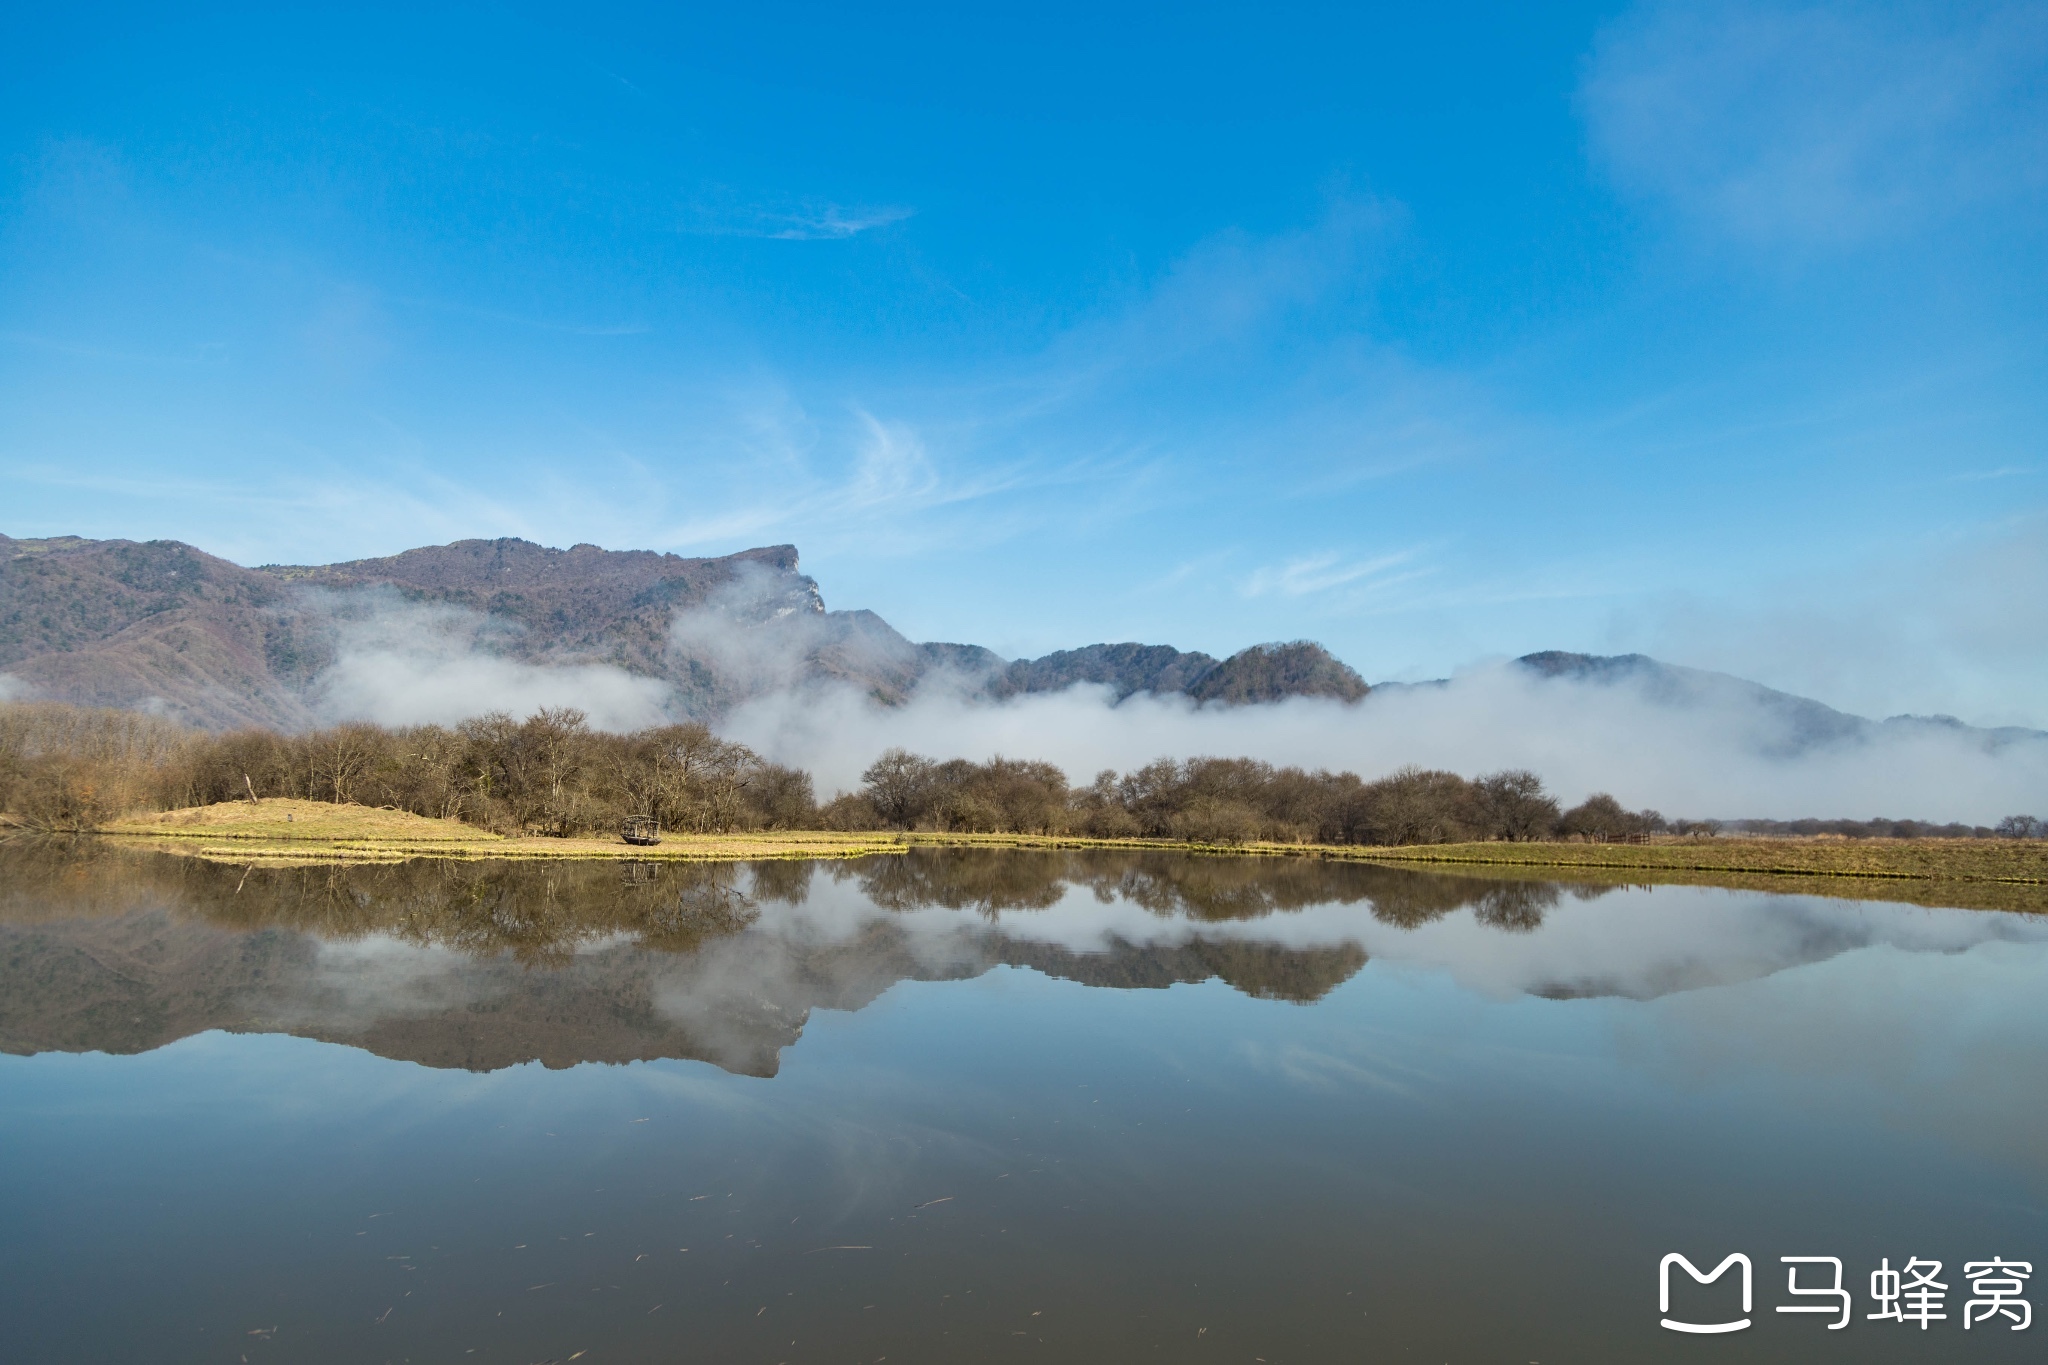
column 542, row 912
column 121, row 950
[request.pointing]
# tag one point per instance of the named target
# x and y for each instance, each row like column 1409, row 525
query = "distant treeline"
column 2011, row 827
column 1221, row 800
column 70, row 768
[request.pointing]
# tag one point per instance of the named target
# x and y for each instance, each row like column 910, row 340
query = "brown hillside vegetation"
column 1266, row 673
column 215, row 644
column 163, row 625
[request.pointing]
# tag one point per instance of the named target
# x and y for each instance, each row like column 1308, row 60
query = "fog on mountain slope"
column 626, row 635
column 1581, row 737
column 632, row 637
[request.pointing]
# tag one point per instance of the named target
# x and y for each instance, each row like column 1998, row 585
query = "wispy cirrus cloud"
column 882, row 494
column 804, row 222
column 1312, row 575
column 1231, row 293
column 1204, row 365
column 1831, row 122
column 2009, row 471
column 831, row 222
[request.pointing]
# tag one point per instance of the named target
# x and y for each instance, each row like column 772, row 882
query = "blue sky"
column 1433, row 333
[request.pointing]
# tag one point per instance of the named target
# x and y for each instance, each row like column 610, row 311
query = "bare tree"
column 1513, row 805
column 898, row 784
column 344, row 756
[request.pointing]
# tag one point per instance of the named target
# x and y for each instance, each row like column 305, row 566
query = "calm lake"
column 997, row 1106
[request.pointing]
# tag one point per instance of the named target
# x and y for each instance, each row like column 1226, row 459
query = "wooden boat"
column 642, row 830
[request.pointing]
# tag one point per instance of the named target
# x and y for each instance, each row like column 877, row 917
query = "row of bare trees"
column 69, row 767
column 1222, row 800
column 65, row 767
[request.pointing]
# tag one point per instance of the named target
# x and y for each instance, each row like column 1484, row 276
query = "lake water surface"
column 994, row 1106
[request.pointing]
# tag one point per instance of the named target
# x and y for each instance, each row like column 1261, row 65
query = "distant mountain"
column 1275, row 672
column 1259, row 674
column 1792, row 724
column 1123, row 669
column 162, row 626
column 166, row 626
column 115, row 623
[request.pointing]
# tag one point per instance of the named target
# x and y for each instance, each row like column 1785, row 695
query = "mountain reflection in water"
column 1429, row 1118
column 487, row 965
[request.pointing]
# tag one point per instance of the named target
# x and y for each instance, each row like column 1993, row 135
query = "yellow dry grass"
column 286, row 831
column 283, row 819
column 278, row 831
column 2022, row 861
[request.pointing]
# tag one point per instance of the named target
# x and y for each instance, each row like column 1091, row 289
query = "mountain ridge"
column 164, row 626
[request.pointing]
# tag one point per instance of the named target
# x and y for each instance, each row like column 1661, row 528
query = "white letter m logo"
column 1664, row 1292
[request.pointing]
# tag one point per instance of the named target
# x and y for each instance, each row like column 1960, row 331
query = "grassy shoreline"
column 2018, row 861
column 1968, row 874
column 284, row 832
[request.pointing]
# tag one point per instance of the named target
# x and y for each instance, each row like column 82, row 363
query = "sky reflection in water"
column 1013, row 1106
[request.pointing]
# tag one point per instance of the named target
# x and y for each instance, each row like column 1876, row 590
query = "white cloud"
column 1714, row 756
column 1315, row 574
column 1964, row 620
column 403, row 663
column 419, row 686
column 799, row 223
column 1707, row 750
column 833, row 221
column 754, row 633
column 1829, row 122
column 1627, row 942
column 880, row 497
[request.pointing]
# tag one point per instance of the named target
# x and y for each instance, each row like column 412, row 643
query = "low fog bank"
column 394, row 661
column 760, row 633
column 829, row 692
column 409, row 663
column 1727, row 759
